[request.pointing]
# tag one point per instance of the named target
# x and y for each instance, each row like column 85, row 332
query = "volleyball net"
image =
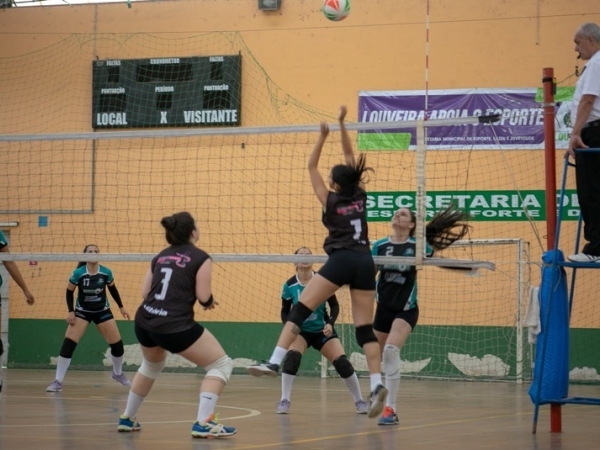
column 249, row 190
column 250, row 193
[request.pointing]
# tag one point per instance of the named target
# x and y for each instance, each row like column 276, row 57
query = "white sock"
column 206, row 408
column 287, row 381
column 117, row 362
column 278, row 355
column 134, row 402
column 391, row 369
column 353, row 387
column 375, row 380
column 61, row 368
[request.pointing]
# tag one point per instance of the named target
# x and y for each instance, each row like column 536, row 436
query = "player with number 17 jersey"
column 91, row 295
column 169, row 306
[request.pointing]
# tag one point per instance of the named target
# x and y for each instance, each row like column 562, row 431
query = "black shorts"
column 317, row 340
column 172, row 342
column 384, row 318
column 96, row 317
column 350, row 267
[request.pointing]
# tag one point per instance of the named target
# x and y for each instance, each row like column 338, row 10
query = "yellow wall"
column 297, row 69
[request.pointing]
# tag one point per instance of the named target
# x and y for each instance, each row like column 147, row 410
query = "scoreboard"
column 197, row 91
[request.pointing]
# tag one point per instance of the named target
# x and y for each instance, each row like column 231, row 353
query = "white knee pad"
column 151, row 369
column 220, row 369
column 391, row 362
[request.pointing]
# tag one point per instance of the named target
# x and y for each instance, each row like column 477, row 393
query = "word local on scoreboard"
column 167, row 92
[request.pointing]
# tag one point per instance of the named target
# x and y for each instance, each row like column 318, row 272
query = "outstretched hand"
column 324, row 129
column 343, row 112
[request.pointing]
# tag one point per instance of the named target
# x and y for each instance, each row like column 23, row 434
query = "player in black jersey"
column 91, row 280
column 179, row 276
column 350, row 262
column 397, row 310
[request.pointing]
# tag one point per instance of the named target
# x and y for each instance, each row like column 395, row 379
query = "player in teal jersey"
column 318, row 332
column 92, row 280
column 13, row 270
column 397, row 310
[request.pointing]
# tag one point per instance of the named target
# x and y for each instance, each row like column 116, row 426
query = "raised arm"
column 316, row 179
column 346, row 144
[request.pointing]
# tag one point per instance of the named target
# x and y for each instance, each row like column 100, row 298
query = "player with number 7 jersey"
column 344, row 203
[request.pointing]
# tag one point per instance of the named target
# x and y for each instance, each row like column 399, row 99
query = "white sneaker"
column 283, row 407
column 362, row 407
column 121, row 379
column 55, row 386
column 583, row 258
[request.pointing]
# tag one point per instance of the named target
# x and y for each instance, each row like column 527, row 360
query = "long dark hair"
column 446, row 227
column 349, row 177
column 178, row 227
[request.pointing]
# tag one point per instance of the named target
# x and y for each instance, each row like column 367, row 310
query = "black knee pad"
column 1, row 348
column 117, row 349
column 68, row 347
column 299, row 314
column 291, row 362
column 343, row 367
column 364, row 334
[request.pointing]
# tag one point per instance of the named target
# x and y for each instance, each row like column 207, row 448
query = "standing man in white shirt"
column 585, row 115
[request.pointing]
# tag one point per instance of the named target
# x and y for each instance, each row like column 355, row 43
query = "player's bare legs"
column 110, row 332
column 362, row 311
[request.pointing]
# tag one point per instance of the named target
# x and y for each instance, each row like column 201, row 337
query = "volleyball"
column 336, row 10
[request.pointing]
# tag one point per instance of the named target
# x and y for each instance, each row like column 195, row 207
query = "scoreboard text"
column 167, row 92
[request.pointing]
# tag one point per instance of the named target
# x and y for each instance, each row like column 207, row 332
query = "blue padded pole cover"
column 551, row 372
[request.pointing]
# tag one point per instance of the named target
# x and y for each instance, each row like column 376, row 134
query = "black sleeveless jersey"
column 169, row 306
column 346, row 220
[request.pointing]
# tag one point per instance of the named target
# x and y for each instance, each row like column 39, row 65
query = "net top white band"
column 246, row 258
column 364, row 126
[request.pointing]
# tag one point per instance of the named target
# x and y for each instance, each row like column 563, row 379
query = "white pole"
column 420, row 197
column 520, row 278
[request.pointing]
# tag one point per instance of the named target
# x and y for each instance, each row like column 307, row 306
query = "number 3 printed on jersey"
column 167, row 273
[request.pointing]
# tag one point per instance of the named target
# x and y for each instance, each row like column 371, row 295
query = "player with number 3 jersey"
column 179, row 276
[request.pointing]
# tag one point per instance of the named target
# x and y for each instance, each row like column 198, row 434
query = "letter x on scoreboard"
column 199, row 91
